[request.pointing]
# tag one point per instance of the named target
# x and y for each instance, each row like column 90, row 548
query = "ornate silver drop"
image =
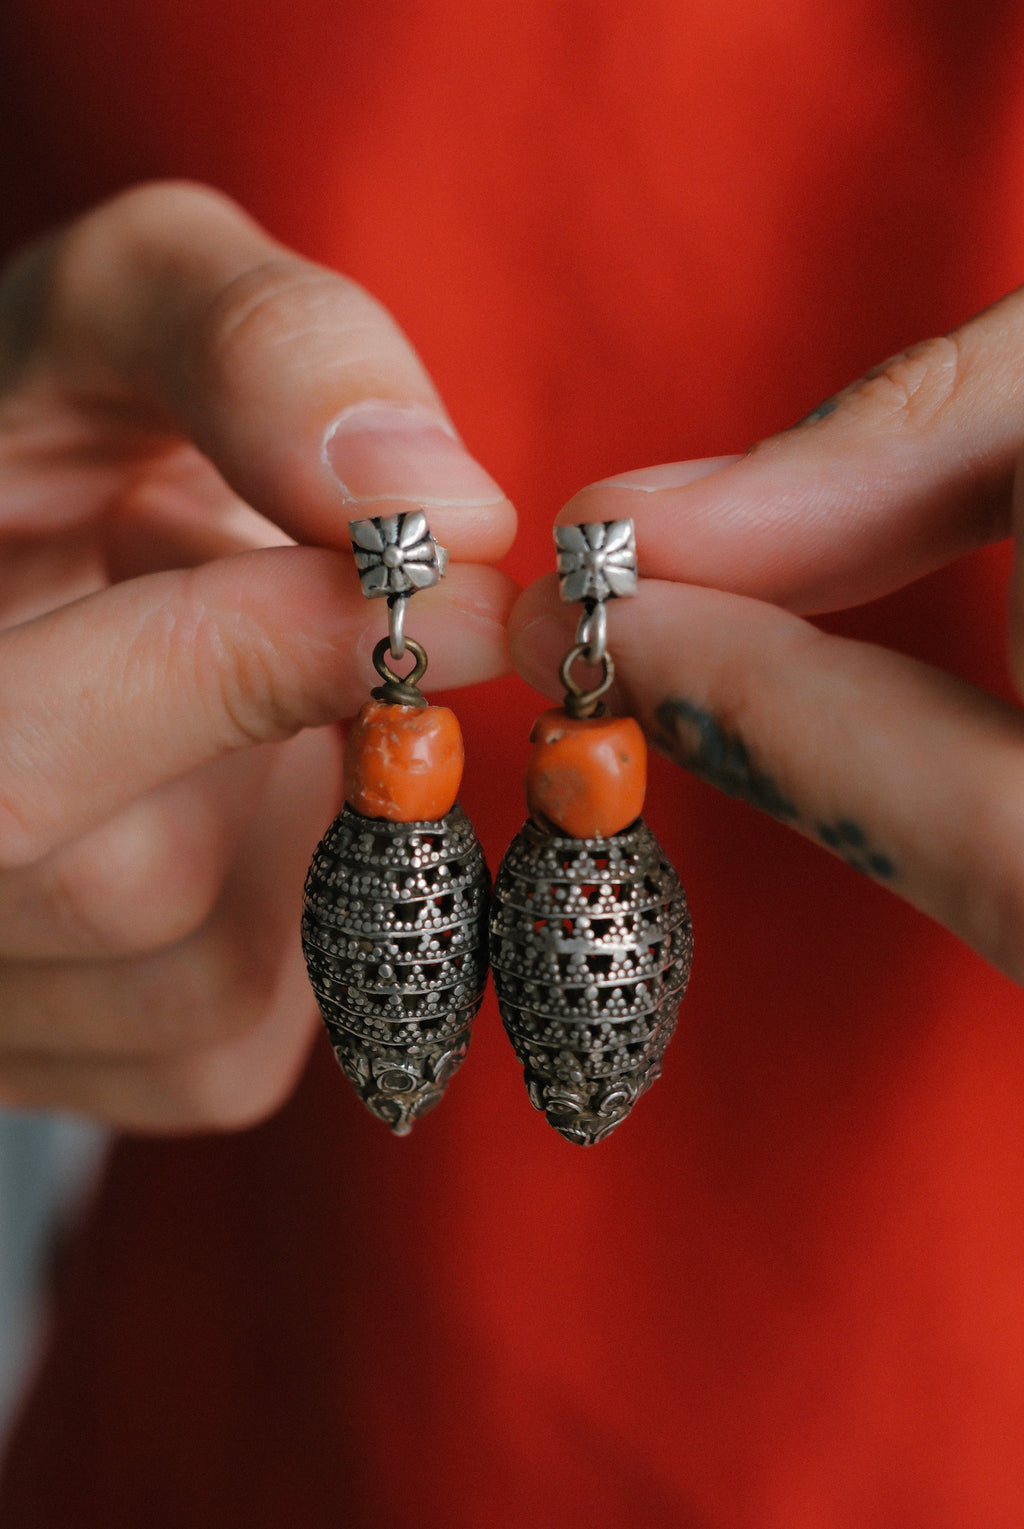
column 591, row 940
column 394, row 923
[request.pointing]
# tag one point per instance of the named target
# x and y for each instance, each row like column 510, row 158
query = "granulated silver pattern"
column 591, row 944
column 394, row 933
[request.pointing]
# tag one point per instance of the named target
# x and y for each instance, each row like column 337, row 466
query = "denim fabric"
column 47, row 1163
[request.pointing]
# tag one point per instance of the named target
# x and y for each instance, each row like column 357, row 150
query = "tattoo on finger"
column 695, row 739
column 830, row 405
column 821, row 412
column 850, row 841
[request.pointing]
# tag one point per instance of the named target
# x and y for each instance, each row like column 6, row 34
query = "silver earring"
column 591, row 940
column 394, row 925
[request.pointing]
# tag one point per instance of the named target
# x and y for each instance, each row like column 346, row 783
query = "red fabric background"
column 789, row 1294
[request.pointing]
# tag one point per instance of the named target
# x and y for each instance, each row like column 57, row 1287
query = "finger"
column 139, row 881
column 39, row 572
column 165, row 1021
column 898, row 474
column 152, row 678
column 169, row 306
column 910, row 775
column 231, row 1086
column 177, row 515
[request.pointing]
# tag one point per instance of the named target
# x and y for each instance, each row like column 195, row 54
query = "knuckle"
column 147, row 222
column 248, row 684
column 256, row 305
column 912, row 388
column 224, row 657
column 279, row 300
column 136, row 228
column 249, row 689
column 261, row 682
column 138, row 884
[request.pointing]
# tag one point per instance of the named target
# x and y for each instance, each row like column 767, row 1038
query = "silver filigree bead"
column 596, row 560
column 591, row 945
column 394, row 931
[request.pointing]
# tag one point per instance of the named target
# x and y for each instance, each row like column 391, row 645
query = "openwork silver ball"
column 394, row 931
column 591, row 944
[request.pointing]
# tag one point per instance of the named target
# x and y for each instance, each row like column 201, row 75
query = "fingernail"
column 381, row 450
column 648, row 480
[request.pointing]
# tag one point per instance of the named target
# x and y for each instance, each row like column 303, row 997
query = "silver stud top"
column 396, row 555
column 596, row 560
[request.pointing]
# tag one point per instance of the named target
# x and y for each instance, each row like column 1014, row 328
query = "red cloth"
column 790, row 1293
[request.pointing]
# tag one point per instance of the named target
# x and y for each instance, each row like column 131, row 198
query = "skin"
column 170, row 382
column 899, row 474
column 170, row 385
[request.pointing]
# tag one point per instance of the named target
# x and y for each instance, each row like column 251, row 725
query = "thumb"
column 901, row 472
column 168, row 308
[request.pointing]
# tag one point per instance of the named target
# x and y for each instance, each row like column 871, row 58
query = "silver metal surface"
column 399, row 689
column 394, row 931
column 596, row 563
column 592, row 632
column 396, row 625
column 596, row 560
column 578, row 701
column 396, row 554
column 591, row 944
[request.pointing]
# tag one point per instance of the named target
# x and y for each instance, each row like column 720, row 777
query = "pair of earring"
column 587, row 931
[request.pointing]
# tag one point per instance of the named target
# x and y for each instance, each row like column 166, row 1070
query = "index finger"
column 901, row 472
column 170, row 307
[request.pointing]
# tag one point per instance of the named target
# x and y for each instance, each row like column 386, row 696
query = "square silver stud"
column 596, row 560
column 396, row 554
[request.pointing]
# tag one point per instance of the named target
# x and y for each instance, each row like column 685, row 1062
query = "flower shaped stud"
column 597, row 560
column 396, row 554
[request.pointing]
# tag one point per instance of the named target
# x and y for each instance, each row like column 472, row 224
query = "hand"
column 905, row 771
column 166, row 372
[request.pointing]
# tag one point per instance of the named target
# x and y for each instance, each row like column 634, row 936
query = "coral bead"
column 403, row 763
column 586, row 775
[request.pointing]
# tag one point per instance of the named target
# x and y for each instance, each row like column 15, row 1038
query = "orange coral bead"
column 586, row 775
column 403, row 763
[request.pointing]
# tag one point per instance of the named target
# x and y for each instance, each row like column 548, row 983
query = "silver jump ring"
column 580, row 702
column 399, row 690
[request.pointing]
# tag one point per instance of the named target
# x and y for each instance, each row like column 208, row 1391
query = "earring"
column 591, row 939
column 394, row 925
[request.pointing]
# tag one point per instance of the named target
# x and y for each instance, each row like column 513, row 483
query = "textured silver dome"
column 394, row 934
column 591, row 945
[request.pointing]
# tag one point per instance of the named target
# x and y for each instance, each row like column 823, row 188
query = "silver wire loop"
column 578, row 701
column 398, row 690
column 592, row 632
column 396, row 624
